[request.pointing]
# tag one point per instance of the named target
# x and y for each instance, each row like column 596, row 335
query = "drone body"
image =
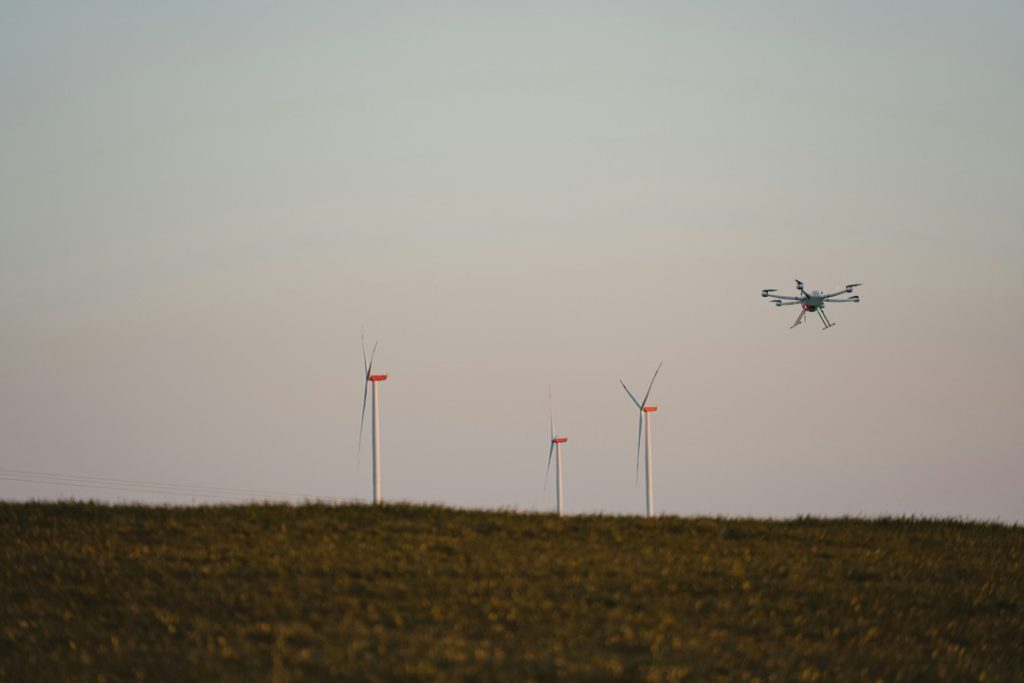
column 813, row 302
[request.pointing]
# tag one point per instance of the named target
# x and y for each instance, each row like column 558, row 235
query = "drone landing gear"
column 824, row 319
column 799, row 319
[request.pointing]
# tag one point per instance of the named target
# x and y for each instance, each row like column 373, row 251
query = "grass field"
column 403, row 593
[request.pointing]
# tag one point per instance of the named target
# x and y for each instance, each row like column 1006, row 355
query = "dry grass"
column 91, row 592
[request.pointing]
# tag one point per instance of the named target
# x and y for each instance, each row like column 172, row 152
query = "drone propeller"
column 764, row 292
column 849, row 288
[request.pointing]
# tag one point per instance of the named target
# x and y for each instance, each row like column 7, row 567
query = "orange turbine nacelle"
column 650, row 409
column 378, row 378
column 559, row 439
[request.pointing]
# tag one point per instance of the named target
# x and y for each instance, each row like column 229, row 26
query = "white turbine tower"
column 645, row 428
column 556, row 449
column 372, row 379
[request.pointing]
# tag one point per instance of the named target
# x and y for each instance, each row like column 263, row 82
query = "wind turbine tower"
column 372, row 380
column 556, row 450
column 645, row 429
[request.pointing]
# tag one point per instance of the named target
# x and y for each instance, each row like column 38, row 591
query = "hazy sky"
column 201, row 204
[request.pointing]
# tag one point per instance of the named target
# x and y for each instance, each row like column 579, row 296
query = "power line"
column 153, row 487
column 142, row 482
column 120, row 488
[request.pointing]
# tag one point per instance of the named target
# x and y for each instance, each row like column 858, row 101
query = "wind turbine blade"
column 550, row 452
column 639, row 438
column 366, row 377
column 369, row 368
column 649, row 386
column 362, row 416
column 551, row 412
column 363, row 343
column 631, row 396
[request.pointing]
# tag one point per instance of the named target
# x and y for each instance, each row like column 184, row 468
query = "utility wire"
column 188, row 487
column 120, row 488
column 142, row 486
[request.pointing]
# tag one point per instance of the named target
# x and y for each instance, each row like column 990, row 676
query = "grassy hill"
column 278, row 593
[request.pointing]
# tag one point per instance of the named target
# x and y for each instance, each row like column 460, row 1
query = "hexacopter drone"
column 815, row 301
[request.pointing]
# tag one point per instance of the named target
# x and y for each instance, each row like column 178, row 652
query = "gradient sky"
column 201, row 205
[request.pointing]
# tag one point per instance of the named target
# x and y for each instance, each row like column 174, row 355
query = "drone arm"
column 845, row 290
column 788, row 303
column 787, row 298
column 844, row 301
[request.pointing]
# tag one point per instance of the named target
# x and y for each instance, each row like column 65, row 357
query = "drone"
column 813, row 302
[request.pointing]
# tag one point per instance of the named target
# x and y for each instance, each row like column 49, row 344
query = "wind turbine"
column 645, row 428
column 372, row 379
column 556, row 449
